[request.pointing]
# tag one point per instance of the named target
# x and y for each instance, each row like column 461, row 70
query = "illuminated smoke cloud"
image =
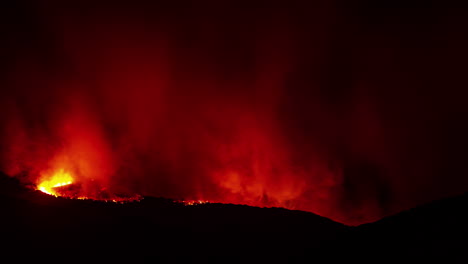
column 293, row 106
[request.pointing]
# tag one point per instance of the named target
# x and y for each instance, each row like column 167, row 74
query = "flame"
column 61, row 177
column 58, row 179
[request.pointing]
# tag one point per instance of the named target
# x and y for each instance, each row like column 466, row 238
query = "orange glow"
column 62, row 177
column 194, row 202
column 58, row 179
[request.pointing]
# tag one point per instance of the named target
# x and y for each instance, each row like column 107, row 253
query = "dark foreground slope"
column 437, row 231
column 38, row 225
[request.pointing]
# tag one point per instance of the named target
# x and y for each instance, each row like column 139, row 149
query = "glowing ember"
column 194, row 202
column 58, row 179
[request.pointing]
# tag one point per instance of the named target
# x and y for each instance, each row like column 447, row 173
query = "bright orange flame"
column 61, row 177
column 58, row 179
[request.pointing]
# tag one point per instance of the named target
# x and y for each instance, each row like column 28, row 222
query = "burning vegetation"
column 49, row 184
column 194, row 202
column 62, row 184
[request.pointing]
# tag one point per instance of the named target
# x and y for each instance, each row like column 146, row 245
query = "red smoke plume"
column 258, row 105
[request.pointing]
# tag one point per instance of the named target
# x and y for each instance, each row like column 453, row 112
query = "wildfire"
column 58, row 179
column 61, row 177
column 194, row 202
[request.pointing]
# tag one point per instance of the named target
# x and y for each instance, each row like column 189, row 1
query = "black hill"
column 434, row 231
column 156, row 227
column 39, row 224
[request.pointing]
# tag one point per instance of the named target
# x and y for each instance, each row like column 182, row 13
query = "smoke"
column 350, row 113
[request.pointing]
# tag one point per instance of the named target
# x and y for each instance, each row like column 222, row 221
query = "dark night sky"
column 350, row 110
